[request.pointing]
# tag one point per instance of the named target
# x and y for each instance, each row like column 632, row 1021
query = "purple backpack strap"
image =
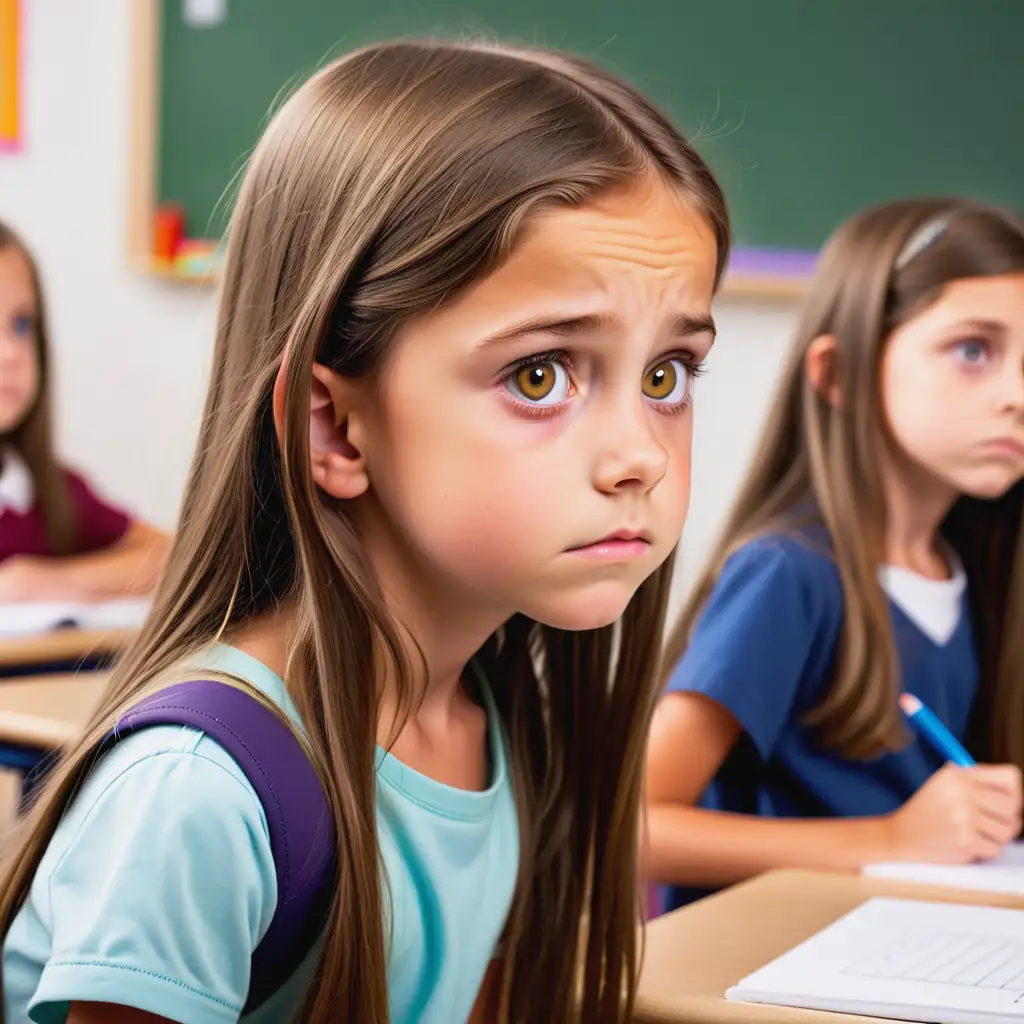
column 298, row 817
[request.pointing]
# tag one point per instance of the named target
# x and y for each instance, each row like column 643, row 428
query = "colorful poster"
column 10, row 74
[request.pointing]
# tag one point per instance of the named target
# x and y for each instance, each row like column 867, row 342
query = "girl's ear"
column 821, row 365
column 338, row 467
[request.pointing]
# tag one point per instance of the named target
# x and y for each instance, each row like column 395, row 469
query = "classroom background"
column 132, row 348
column 133, row 352
column 807, row 110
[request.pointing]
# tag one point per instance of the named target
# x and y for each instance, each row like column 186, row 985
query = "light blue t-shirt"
column 159, row 883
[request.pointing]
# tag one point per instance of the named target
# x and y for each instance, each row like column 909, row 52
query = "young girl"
column 873, row 549
column 58, row 540
column 444, row 463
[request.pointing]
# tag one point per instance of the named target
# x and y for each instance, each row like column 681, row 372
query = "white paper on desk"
column 34, row 619
column 1004, row 874
column 942, row 963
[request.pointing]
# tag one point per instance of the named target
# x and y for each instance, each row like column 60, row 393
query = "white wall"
column 133, row 354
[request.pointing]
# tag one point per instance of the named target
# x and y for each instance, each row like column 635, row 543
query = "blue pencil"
column 931, row 728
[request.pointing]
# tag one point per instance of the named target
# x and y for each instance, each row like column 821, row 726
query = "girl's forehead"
column 647, row 212
column 16, row 282
column 1003, row 291
column 991, row 299
column 647, row 227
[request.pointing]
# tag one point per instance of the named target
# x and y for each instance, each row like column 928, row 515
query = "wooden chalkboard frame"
column 772, row 274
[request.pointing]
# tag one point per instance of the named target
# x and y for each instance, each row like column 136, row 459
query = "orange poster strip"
column 10, row 74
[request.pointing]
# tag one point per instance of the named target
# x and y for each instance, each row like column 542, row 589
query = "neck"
column 265, row 638
column 441, row 623
column 916, row 505
column 440, row 633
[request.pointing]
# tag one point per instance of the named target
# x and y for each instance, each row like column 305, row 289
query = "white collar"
column 17, row 491
column 934, row 606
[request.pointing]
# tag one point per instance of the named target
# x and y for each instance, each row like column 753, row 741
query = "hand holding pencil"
column 964, row 812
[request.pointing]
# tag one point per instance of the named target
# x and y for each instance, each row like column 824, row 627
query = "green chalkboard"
column 807, row 109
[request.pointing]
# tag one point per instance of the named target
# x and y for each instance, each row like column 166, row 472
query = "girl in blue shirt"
column 445, row 448
column 874, row 548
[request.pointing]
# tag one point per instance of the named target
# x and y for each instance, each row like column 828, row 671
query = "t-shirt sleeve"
column 98, row 525
column 162, row 894
column 765, row 620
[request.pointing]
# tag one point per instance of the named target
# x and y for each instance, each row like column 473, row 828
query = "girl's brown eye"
column 660, row 380
column 540, row 384
column 668, row 382
column 536, row 382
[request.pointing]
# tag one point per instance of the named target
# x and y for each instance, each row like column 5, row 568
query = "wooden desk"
column 48, row 711
column 62, row 646
column 694, row 954
column 38, row 715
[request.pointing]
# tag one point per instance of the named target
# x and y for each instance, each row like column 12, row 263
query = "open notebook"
column 31, row 619
column 941, row 963
column 1004, row 874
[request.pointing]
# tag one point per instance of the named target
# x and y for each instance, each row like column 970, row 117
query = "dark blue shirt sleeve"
column 768, row 621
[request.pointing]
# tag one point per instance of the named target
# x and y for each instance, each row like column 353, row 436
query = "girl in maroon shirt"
column 58, row 539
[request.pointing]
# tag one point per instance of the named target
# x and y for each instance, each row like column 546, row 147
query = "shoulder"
column 158, row 884
column 803, row 551
column 166, row 802
column 777, row 598
column 174, row 774
column 100, row 523
column 764, row 634
column 80, row 488
column 797, row 563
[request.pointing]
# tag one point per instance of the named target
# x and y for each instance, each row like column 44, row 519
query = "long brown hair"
column 389, row 181
column 818, row 460
column 33, row 436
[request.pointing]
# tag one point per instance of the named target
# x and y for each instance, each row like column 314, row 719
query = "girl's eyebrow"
column 687, row 326
column 684, row 326
column 978, row 324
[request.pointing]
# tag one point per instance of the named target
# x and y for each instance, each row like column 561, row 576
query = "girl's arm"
column 162, row 884
column 129, row 568
column 484, row 1010
column 691, row 737
column 959, row 815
